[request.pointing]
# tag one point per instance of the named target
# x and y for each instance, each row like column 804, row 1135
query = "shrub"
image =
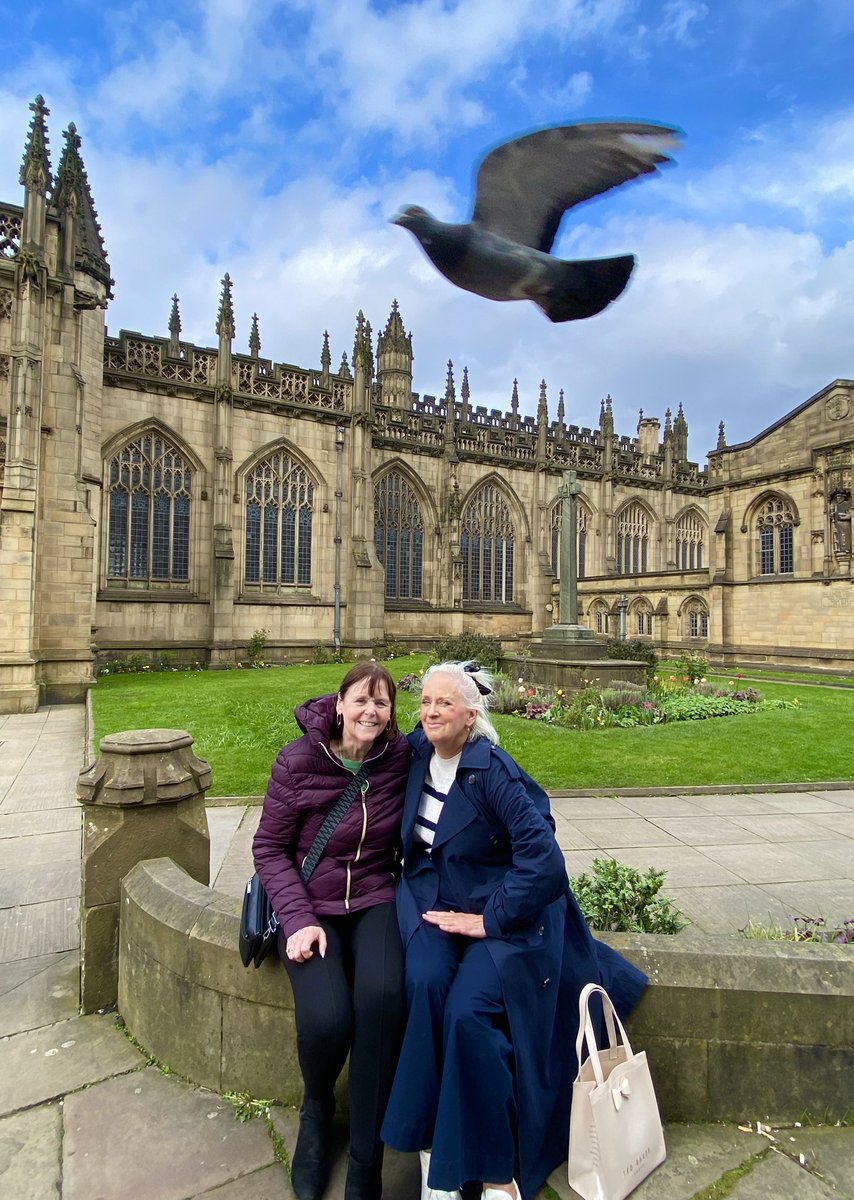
column 465, row 647
column 802, row 929
column 389, row 649
column 691, row 664
column 636, row 650
column 256, row 645
column 620, row 899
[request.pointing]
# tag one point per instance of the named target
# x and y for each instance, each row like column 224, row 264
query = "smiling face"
column 364, row 717
column 445, row 717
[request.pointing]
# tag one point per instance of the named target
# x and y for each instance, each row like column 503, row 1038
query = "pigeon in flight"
column 524, row 187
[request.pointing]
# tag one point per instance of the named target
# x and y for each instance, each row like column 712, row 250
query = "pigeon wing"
column 526, row 185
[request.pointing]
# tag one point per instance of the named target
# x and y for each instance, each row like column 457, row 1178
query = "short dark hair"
column 375, row 675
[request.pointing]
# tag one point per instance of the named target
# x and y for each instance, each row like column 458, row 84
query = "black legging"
column 352, row 1000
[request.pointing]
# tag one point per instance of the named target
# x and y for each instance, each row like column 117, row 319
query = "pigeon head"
column 416, row 219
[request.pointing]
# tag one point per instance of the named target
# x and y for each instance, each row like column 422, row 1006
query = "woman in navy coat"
column 497, row 952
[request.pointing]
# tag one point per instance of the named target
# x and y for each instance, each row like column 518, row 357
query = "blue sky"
column 274, row 139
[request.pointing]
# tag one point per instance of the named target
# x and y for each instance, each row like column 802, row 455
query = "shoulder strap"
column 333, row 820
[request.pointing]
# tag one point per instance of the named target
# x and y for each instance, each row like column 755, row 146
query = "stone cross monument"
column 568, row 630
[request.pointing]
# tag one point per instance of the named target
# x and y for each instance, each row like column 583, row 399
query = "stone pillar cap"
column 145, row 741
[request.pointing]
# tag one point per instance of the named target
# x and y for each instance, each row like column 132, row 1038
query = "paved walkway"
column 84, row 1116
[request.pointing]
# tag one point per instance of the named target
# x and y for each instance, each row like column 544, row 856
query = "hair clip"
column 472, row 669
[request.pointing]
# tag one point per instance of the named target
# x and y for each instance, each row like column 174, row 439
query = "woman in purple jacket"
column 339, row 937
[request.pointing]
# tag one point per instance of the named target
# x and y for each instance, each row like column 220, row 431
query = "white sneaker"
column 498, row 1193
column 428, row 1193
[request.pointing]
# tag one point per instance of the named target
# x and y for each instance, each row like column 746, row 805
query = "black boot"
column 310, row 1166
column 364, row 1180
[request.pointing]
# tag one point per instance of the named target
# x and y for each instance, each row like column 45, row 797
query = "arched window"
column 148, row 522
column 643, row 619
column 632, row 541
column 399, row 536
column 598, row 617
column 775, row 525
column 487, row 542
column 689, row 542
column 697, row 619
column 279, row 500
column 582, row 517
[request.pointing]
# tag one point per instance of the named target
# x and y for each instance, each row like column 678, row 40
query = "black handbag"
column 258, row 923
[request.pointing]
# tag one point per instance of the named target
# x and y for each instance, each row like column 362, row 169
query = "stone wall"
column 736, row 1030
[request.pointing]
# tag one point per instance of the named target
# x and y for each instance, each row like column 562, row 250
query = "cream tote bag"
column 615, row 1134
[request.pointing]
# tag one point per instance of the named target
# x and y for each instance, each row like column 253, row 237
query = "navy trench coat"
column 495, row 853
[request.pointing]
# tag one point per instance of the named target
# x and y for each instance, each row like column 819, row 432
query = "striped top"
column 439, row 780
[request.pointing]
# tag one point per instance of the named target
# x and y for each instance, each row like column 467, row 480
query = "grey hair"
column 467, row 681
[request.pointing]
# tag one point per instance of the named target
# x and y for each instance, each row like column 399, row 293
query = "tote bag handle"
column 585, row 1029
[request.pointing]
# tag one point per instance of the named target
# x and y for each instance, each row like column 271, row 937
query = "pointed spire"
column 225, row 316
column 543, row 407
column 609, row 405
column 254, row 338
column 721, row 437
column 368, row 352
column 514, row 399
column 640, row 419
column 174, row 328
column 450, row 389
column 561, row 410
column 35, row 168
column 344, row 370
column 668, row 424
column 465, row 390
column 360, row 333
column 325, row 356
column 72, row 195
column 394, row 336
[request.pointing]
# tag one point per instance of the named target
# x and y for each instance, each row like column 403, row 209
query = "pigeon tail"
column 583, row 289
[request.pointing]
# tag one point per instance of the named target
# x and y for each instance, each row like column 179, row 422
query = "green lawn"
column 240, row 719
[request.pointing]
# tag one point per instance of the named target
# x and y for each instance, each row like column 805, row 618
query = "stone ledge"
column 736, row 1029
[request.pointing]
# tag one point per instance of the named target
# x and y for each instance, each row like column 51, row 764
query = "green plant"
column 389, row 649
column 247, row 1107
column 691, row 665
column 802, row 929
column 618, row 898
column 637, row 651
column 468, row 647
column 256, row 646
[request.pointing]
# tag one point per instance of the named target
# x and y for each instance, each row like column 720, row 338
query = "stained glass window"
column 279, row 506
column 149, row 486
column 399, row 537
column 487, row 546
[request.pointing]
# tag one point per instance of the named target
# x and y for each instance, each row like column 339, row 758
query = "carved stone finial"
column 225, row 316
column 543, row 407
column 514, row 398
column 35, row 168
column 561, row 409
column 325, row 356
column 72, row 195
column 255, row 338
column 450, row 389
column 465, row 389
column 344, row 370
column 360, row 333
column 175, row 318
column 721, row 437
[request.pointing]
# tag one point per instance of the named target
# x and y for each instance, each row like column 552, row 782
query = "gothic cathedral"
column 158, row 497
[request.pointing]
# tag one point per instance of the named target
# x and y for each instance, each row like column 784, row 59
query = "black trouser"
column 352, row 1000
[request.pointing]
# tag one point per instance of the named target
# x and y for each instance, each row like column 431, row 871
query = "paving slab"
column 782, row 827
column 32, row 824
column 842, row 822
column 728, row 909
column 580, row 861
column 576, row 808
column 779, row 1177
column 626, row 831
column 832, row 899
column 808, row 802
column 730, row 804
column 47, row 848
column 828, row 1150
column 57, row 881
column 270, row 1183
column 685, row 866
column 39, row 991
column 44, row 1064
column 30, row 930
column 570, row 837
column 223, row 822
column 164, row 1140
column 34, row 792
column 708, row 830
column 31, row 1153
column 697, row 1156
column 762, row 862
column 663, row 806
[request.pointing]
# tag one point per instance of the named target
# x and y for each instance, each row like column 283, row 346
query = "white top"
column 439, row 780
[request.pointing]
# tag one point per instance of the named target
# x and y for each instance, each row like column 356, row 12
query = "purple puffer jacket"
column 358, row 868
